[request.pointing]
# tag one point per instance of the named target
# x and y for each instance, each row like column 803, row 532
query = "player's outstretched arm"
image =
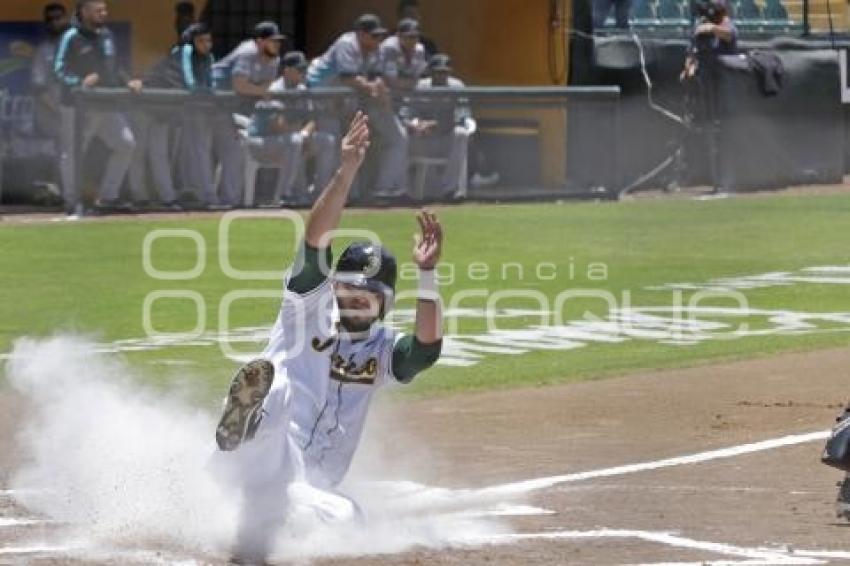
column 414, row 354
column 327, row 211
column 426, row 255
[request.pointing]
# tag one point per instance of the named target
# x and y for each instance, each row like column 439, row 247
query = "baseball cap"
column 268, row 30
column 295, row 59
column 371, row 24
column 440, row 62
column 408, row 27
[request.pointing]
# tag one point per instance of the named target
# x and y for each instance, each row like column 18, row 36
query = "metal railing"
column 565, row 105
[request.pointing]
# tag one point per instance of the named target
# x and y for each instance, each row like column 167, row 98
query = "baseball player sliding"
column 294, row 417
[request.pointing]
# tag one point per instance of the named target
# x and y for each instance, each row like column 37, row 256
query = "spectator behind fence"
column 187, row 67
column 441, row 128
column 714, row 35
column 403, row 57
column 353, row 61
column 409, row 10
column 312, row 127
column 46, row 89
column 86, row 58
column 250, row 69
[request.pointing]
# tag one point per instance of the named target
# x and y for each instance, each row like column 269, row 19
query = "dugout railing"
column 536, row 143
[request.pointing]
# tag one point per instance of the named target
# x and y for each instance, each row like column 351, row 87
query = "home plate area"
column 709, row 465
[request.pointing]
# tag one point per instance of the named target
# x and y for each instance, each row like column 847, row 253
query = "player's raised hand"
column 356, row 142
column 429, row 242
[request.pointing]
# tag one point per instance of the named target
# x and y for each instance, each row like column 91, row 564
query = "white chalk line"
column 6, row 522
column 767, row 556
column 509, row 511
column 43, row 550
column 527, row 486
column 702, row 457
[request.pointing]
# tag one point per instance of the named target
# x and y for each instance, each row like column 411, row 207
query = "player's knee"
column 126, row 143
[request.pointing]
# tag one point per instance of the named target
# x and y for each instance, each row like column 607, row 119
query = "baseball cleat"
column 243, row 409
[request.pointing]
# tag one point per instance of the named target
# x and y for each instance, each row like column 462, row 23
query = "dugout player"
column 354, row 61
column 294, row 417
column 250, row 69
column 87, row 58
column 188, row 66
column 403, row 57
column 192, row 61
column 442, row 128
column 46, row 91
column 324, row 141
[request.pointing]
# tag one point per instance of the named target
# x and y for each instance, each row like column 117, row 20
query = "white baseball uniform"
column 332, row 381
column 314, row 415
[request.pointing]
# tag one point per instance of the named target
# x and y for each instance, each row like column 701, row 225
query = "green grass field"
column 88, row 278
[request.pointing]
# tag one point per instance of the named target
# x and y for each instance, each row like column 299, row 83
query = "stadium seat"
column 253, row 166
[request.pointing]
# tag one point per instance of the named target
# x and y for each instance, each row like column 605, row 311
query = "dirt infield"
column 764, row 504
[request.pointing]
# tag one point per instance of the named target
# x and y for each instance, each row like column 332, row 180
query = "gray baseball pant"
column 286, row 153
column 395, row 143
column 196, row 165
column 325, row 147
column 230, row 155
column 113, row 129
column 454, row 147
column 151, row 151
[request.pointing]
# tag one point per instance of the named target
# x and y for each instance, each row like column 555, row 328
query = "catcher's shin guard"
column 842, row 502
column 243, row 408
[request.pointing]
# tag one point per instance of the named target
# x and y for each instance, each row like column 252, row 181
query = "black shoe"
column 452, row 196
column 243, row 410
column 75, row 211
column 218, row 207
column 294, row 203
column 113, row 206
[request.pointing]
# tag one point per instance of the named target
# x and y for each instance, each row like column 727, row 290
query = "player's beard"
column 353, row 326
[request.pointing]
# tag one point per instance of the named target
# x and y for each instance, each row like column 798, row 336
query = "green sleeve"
column 410, row 357
column 307, row 272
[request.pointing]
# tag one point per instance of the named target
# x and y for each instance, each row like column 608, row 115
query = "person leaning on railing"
column 354, row 61
column 403, row 58
column 86, row 58
column 250, row 69
column 304, row 127
column 190, row 68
